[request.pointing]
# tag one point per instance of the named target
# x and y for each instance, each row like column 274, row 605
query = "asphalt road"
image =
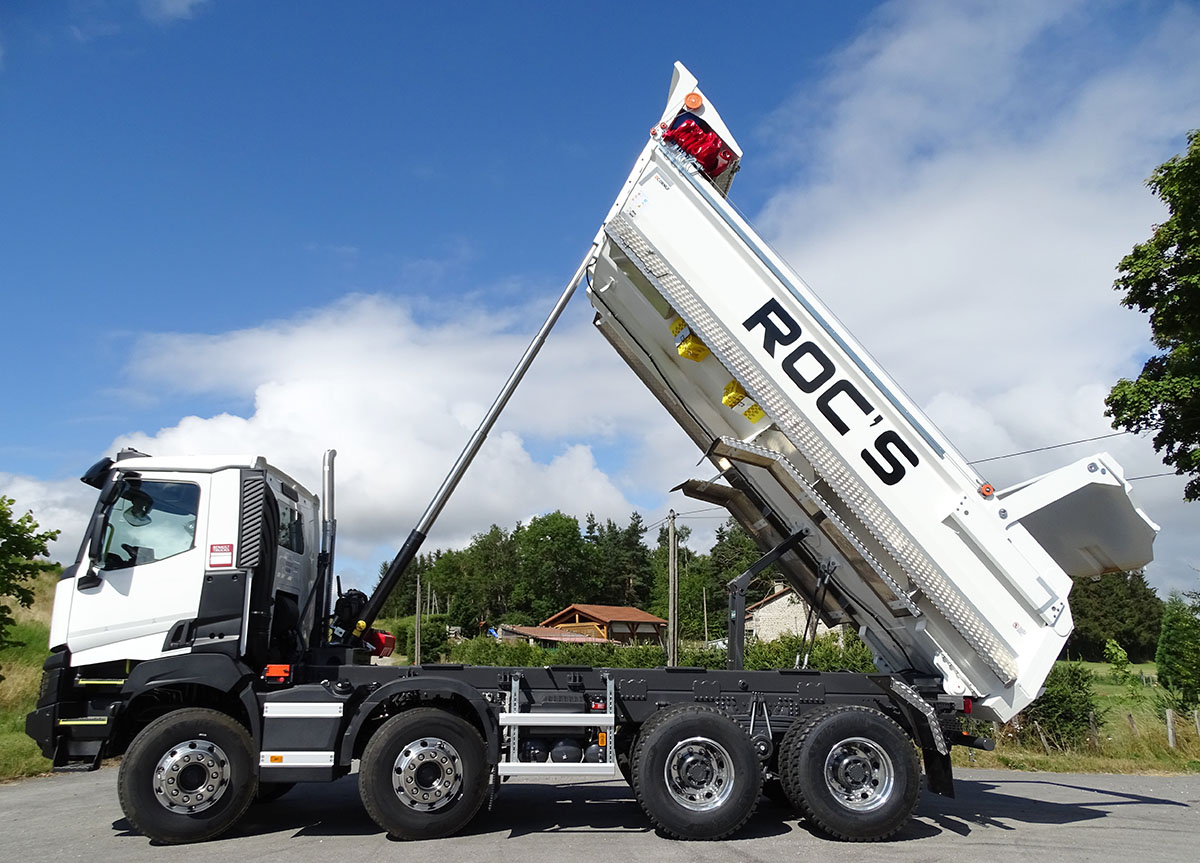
column 1057, row 818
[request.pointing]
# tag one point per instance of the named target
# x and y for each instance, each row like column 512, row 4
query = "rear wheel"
column 424, row 774
column 188, row 776
column 695, row 772
column 852, row 772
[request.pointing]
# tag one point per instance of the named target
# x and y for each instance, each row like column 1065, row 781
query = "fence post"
column 1093, row 734
column 1132, row 724
column 1196, row 716
column 1171, row 728
column 1041, row 734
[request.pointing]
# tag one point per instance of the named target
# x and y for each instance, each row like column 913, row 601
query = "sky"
column 281, row 227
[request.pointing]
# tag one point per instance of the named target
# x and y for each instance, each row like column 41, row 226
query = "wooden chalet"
column 621, row 623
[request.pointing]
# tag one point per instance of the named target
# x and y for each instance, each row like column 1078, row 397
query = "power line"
column 1052, row 446
column 1150, row 476
column 689, row 512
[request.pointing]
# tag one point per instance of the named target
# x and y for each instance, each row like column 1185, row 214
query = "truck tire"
column 423, row 774
column 188, row 776
column 851, row 772
column 790, row 782
column 695, row 772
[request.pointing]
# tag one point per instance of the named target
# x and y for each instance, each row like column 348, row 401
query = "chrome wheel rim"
column 191, row 776
column 427, row 774
column 859, row 774
column 699, row 774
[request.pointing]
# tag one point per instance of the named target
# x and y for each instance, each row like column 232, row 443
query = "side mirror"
column 110, row 493
column 97, row 533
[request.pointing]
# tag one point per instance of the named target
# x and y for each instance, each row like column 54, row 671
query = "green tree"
column 486, row 578
column 20, row 547
column 402, row 600
column 696, row 585
column 1117, row 606
column 1118, row 662
column 1118, row 666
column 1162, row 276
column 1178, row 656
column 552, row 566
column 733, row 553
column 620, row 561
column 1064, row 707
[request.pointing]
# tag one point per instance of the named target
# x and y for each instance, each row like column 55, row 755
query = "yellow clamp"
column 735, row 397
column 687, row 345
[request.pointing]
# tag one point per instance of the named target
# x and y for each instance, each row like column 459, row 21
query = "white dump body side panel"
column 937, row 575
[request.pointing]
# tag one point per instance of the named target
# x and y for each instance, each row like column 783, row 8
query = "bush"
column 1118, row 666
column 830, row 653
column 434, row 643
column 702, row 657
column 1064, row 709
column 488, row 651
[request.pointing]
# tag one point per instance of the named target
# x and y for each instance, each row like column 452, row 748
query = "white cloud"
column 399, row 398
column 965, row 205
column 166, row 11
column 63, row 505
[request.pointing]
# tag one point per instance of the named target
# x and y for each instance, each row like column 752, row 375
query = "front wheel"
column 852, row 772
column 424, row 774
column 188, row 776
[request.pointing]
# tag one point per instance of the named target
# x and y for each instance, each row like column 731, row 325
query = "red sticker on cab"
column 220, row 555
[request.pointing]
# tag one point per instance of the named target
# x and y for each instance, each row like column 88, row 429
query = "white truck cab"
column 163, row 567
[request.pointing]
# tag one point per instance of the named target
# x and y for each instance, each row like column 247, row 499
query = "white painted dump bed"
column 938, row 571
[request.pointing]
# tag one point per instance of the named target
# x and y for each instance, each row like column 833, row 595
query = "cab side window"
column 291, row 529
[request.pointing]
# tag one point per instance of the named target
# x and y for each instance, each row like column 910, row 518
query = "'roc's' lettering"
column 819, row 375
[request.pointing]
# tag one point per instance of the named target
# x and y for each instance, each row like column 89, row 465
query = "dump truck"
column 199, row 635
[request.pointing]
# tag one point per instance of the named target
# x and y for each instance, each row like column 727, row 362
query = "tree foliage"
column 831, row 652
column 1162, row 276
column 527, row 574
column 1178, row 656
column 20, row 547
column 1116, row 606
column 1063, row 709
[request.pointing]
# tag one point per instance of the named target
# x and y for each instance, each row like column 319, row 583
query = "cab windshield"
column 149, row 521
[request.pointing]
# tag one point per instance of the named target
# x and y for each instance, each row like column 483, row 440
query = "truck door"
column 143, row 573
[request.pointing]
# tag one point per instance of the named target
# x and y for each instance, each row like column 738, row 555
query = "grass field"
column 21, row 667
column 1121, row 746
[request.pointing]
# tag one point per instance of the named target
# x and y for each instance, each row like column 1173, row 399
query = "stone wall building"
column 781, row 612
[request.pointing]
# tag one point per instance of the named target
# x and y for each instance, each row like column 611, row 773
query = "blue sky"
column 281, row 226
column 251, row 160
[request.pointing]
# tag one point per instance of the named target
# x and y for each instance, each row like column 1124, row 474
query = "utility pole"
column 704, row 604
column 672, row 594
column 416, row 657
